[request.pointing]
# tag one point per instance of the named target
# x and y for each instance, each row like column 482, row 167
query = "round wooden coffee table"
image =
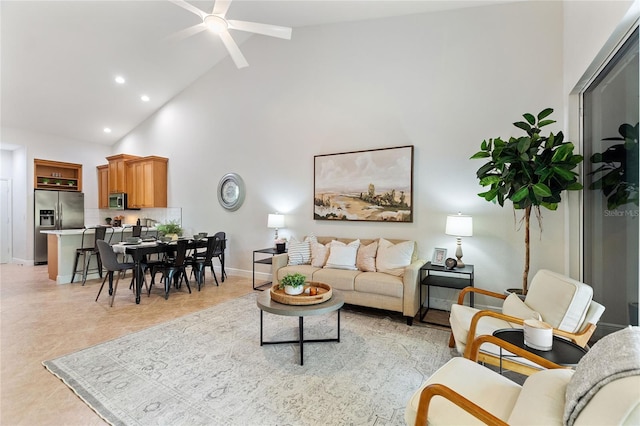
column 265, row 304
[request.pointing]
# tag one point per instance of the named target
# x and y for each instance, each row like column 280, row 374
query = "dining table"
column 140, row 250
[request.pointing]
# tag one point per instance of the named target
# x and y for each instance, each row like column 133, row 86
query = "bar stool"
column 88, row 252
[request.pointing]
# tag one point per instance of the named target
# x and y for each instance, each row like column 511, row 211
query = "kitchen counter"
column 62, row 245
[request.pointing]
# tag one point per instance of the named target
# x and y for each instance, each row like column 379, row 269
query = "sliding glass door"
column 611, row 234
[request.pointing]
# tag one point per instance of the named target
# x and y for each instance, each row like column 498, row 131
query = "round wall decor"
column 231, row 191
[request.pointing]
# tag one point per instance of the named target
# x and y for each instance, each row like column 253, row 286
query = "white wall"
column 441, row 82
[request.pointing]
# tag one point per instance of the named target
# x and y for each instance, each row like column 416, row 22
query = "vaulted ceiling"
column 59, row 59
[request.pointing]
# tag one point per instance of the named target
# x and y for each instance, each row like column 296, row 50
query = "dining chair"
column 111, row 264
column 200, row 260
column 219, row 253
column 172, row 270
column 87, row 252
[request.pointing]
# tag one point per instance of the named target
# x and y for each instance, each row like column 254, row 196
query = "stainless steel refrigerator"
column 55, row 210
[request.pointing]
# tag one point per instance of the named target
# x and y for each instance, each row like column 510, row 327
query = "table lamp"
column 459, row 226
column 275, row 220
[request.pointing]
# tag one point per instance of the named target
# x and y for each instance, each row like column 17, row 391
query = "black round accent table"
column 563, row 352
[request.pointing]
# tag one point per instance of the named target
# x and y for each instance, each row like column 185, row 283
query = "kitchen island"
column 62, row 245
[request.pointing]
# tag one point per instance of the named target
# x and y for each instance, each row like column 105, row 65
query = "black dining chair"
column 88, row 251
column 111, row 264
column 200, row 260
column 219, row 253
column 172, row 270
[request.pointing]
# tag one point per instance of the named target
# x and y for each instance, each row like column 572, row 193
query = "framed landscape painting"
column 374, row 185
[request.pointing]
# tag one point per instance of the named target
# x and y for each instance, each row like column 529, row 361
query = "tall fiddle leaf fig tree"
column 531, row 171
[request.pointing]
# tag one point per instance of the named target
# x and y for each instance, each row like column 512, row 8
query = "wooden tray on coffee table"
column 324, row 294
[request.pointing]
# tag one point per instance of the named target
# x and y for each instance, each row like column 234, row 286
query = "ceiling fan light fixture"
column 215, row 24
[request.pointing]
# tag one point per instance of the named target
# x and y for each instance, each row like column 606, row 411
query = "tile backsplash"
column 93, row 217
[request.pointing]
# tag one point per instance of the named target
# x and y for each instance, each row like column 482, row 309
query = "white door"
column 5, row 221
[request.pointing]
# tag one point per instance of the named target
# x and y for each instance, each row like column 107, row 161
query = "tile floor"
column 40, row 320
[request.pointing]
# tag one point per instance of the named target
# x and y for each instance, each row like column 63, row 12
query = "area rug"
column 208, row 368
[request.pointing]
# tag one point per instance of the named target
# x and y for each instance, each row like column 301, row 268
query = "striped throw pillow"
column 299, row 252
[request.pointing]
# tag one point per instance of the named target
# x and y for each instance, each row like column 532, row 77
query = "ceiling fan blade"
column 220, row 7
column 186, row 33
column 233, row 49
column 264, row 29
column 183, row 4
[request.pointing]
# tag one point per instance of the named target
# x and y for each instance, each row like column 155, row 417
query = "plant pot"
column 293, row 290
column 174, row 237
column 280, row 247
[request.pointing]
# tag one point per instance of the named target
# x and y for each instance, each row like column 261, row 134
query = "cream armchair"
column 604, row 389
column 562, row 302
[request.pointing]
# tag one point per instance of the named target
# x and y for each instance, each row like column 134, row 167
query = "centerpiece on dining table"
column 293, row 289
column 171, row 229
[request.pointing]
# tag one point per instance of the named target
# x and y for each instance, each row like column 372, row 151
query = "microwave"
column 118, row 201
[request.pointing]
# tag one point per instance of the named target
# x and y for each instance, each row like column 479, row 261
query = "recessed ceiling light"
column 120, row 79
column 144, row 98
column 107, row 130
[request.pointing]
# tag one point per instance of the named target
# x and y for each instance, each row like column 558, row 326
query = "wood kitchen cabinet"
column 118, row 172
column 147, row 182
column 103, row 186
column 56, row 175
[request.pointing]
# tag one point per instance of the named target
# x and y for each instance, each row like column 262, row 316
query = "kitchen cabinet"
column 147, row 182
column 103, row 186
column 56, row 175
column 118, row 172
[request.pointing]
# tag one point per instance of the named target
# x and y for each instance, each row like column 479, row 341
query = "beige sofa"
column 393, row 289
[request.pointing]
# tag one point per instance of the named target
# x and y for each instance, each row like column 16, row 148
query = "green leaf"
column 490, row 180
column 550, row 206
column 576, row 186
column 546, row 122
column 565, row 174
column 524, row 144
column 541, row 190
column 482, row 171
column 520, row 194
column 483, row 145
column 530, row 118
column 522, row 125
column 489, row 195
column 480, row 154
column 544, row 113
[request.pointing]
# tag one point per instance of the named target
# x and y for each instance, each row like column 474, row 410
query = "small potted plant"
column 108, row 220
column 170, row 229
column 293, row 283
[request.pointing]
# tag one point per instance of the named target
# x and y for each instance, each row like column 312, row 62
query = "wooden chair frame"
column 581, row 338
column 437, row 389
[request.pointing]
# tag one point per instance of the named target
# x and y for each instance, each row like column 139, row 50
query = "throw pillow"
column 299, row 252
column 343, row 256
column 319, row 254
column 515, row 307
column 366, row 257
column 393, row 258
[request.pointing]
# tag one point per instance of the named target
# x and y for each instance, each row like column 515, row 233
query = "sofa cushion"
column 299, row 252
column 366, row 257
column 393, row 258
column 379, row 283
column 541, row 400
column 493, row 392
column 306, row 270
column 319, row 254
column 342, row 256
column 339, row 279
column 562, row 301
column 515, row 307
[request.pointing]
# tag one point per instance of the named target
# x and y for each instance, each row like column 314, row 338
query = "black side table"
column 563, row 352
column 439, row 276
column 263, row 261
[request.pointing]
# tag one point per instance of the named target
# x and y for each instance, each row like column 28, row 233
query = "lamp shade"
column 459, row 225
column 275, row 221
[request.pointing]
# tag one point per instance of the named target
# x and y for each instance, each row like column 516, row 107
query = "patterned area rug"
column 208, row 368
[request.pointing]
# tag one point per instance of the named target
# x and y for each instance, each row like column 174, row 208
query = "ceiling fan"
column 217, row 23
